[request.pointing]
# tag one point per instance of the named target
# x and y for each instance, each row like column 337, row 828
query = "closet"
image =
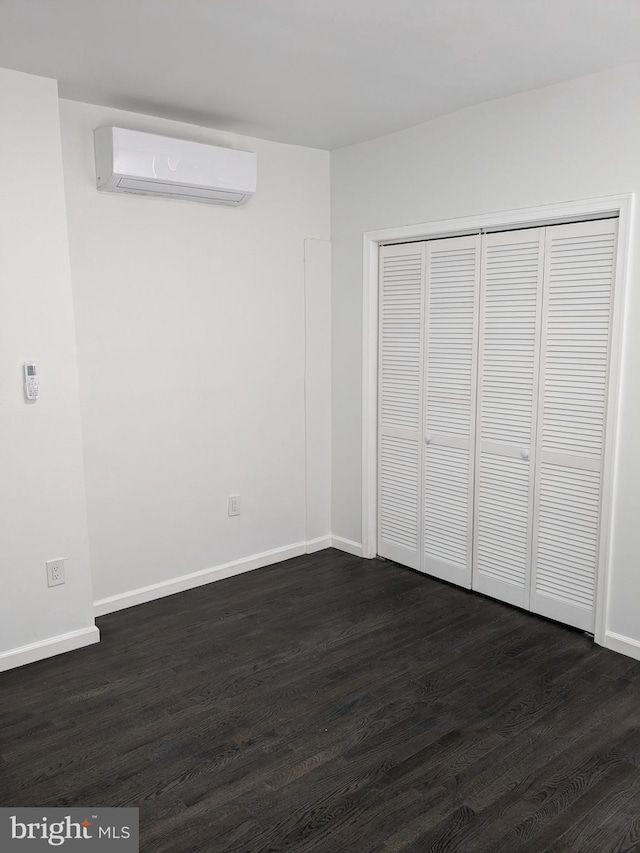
column 493, row 360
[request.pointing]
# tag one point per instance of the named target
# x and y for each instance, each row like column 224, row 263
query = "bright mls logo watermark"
column 103, row 830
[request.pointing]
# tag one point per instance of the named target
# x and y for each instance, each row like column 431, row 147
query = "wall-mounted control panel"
column 31, row 381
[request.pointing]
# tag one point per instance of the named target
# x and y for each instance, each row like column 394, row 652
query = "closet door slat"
column 450, row 378
column 402, row 279
column 511, row 287
column 578, row 293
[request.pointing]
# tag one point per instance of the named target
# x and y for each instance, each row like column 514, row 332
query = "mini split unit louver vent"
column 128, row 161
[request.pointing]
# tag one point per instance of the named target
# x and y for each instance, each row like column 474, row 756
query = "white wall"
column 191, row 343
column 572, row 141
column 42, row 502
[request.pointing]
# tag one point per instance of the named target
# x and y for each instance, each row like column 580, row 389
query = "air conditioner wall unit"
column 128, row 161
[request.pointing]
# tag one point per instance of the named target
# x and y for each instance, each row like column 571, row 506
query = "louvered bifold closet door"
column 511, row 291
column 451, row 328
column 578, row 302
column 402, row 270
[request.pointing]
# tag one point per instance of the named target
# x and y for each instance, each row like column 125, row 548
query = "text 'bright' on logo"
column 55, row 833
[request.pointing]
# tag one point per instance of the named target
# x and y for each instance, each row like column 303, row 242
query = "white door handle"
column 525, row 455
column 427, row 439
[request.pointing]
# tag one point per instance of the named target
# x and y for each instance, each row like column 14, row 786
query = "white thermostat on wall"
column 31, row 383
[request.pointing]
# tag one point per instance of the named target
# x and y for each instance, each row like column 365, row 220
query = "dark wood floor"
column 334, row 704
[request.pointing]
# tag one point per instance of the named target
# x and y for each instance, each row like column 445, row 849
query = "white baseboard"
column 217, row 573
column 49, row 647
column 619, row 643
column 318, row 544
column 347, row 545
column 190, row 581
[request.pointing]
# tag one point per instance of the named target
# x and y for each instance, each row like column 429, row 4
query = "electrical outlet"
column 55, row 572
column 234, row 504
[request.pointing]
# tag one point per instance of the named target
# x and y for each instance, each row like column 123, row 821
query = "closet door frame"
column 620, row 206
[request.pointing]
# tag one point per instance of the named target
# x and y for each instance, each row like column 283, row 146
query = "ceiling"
column 324, row 73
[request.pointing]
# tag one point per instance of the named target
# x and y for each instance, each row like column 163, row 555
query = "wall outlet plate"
column 55, row 572
column 234, row 504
